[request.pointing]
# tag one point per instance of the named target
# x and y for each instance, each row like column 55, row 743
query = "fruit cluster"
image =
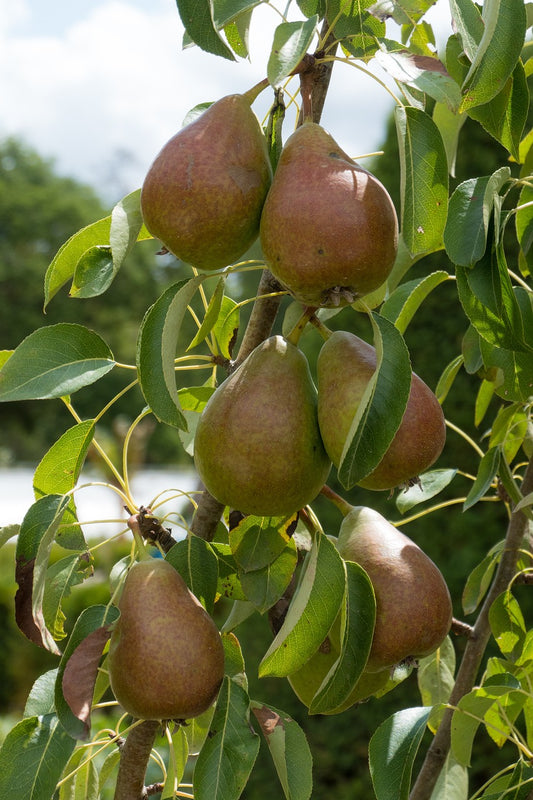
column 267, row 437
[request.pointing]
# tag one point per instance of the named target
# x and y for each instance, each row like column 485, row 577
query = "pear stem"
column 253, row 93
column 343, row 505
column 323, row 330
column 294, row 336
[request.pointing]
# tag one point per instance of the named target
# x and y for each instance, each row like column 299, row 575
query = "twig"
column 474, row 650
column 134, row 757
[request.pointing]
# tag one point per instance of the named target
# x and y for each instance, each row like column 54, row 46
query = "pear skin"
column 413, row 605
column 257, row 446
column 329, row 230
column 344, row 367
column 166, row 659
column 204, row 192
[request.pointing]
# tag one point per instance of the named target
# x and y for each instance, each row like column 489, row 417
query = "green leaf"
column 83, row 784
column 266, row 585
column 256, row 541
column 449, row 125
column 78, row 668
column 516, row 371
column 425, row 73
column 452, row 783
column 289, row 750
column 484, row 395
column 226, row 326
column 292, row 40
column 429, row 484
column 54, row 361
column 382, row 406
column 356, row 27
column 7, row 532
column 424, row 180
column 58, row 472
column 226, row 11
column 403, row 303
column 33, row 756
column 487, row 471
column 156, row 351
column 469, row 215
column 197, row 18
column 435, row 676
column 179, row 753
column 524, row 224
column 447, row 378
column 228, row 755
column 36, row 536
column 93, row 273
column 497, row 53
column 229, row 584
column 60, row 578
column 469, row 715
column 312, row 611
column 469, row 24
column 41, row 697
column 509, row 429
column 392, row 751
column 197, row 564
column 507, row 625
column 211, row 314
column 65, row 261
column 480, row 578
column 356, row 638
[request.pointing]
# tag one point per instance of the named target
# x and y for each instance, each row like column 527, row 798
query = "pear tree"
column 159, row 672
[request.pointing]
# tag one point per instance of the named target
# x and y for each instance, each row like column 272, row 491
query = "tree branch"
column 134, row 757
column 474, row 650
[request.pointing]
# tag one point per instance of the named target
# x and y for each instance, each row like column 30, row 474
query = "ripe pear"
column 257, row 446
column 166, row 659
column 203, row 194
column 329, row 230
column 344, row 367
column 413, row 605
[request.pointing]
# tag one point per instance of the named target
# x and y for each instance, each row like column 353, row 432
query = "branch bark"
column 134, row 757
column 474, row 650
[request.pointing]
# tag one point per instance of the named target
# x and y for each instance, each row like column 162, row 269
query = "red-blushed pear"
column 329, row 230
column 345, row 365
column 413, row 605
column 257, row 447
column 203, row 194
column 166, row 659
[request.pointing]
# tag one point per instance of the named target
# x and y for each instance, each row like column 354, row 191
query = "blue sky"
column 100, row 85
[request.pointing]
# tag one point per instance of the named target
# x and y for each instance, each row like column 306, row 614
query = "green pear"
column 203, row 194
column 413, row 605
column 257, row 446
column 345, row 365
column 306, row 681
column 329, row 230
column 166, row 659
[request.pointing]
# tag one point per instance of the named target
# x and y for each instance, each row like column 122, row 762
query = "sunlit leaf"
column 480, row 578
column 197, row 564
column 228, row 755
column 292, row 40
column 424, row 180
column 507, row 625
column 429, row 484
column 392, row 751
column 54, row 361
column 311, row 613
column 381, row 409
column 403, row 303
column 289, row 750
column 197, row 18
column 266, row 585
column 487, row 471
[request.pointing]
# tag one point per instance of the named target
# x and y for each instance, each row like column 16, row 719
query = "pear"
column 413, row 605
column 257, row 446
column 203, row 194
column 344, row 367
column 329, row 230
column 166, row 659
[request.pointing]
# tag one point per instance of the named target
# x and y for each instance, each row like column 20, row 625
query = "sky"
column 99, row 86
